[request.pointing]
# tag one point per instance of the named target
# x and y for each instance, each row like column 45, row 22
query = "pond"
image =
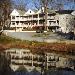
column 48, row 73
column 24, row 62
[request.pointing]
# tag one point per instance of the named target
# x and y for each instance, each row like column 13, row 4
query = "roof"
column 64, row 11
column 73, row 13
column 29, row 12
column 21, row 12
column 51, row 11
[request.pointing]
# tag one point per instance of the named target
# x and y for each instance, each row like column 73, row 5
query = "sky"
column 30, row 4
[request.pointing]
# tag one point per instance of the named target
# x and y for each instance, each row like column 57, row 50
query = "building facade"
column 56, row 21
column 66, row 20
column 30, row 19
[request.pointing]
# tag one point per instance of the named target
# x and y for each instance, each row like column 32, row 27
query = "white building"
column 56, row 20
column 21, row 19
column 66, row 20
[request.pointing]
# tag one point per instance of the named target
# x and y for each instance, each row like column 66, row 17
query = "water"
column 48, row 73
column 22, row 70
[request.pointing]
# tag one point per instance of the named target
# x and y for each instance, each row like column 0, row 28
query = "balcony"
column 51, row 17
column 21, row 19
column 41, row 18
column 54, row 24
column 12, row 19
column 29, row 19
column 12, row 25
column 35, row 18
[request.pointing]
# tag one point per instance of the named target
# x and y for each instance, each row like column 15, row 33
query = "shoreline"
column 36, row 47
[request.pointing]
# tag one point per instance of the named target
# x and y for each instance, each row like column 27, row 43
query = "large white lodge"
column 56, row 20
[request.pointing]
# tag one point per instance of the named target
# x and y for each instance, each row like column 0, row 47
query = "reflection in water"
column 48, row 73
column 24, row 62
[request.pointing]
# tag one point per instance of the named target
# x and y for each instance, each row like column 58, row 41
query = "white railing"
column 53, row 25
column 51, row 17
column 12, row 19
column 35, row 18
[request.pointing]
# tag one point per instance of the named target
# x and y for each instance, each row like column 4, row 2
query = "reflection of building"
column 56, row 20
column 30, row 61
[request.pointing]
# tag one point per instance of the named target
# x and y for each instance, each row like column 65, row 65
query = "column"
column 47, row 62
column 38, row 19
column 32, row 60
column 32, row 21
column 48, row 25
column 19, row 22
column 11, row 22
column 11, row 17
column 19, row 25
column 56, row 25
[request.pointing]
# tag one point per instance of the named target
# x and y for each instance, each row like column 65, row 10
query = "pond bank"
column 7, row 42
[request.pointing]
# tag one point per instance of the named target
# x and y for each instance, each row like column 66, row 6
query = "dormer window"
column 30, row 11
column 13, row 23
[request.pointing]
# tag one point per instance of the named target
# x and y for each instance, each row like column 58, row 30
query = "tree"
column 46, row 4
column 5, row 7
column 51, row 4
column 43, row 3
column 4, row 64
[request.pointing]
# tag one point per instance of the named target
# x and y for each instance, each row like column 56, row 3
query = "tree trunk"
column 45, row 11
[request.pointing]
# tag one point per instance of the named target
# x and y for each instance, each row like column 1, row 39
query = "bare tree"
column 43, row 3
column 4, row 64
column 5, row 6
column 51, row 4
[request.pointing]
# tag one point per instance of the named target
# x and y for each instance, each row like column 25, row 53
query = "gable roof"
column 29, row 12
column 39, row 11
column 51, row 11
column 21, row 12
column 64, row 11
column 73, row 13
column 14, row 13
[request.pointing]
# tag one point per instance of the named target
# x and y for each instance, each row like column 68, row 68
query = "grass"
column 7, row 42
column 7, row 39
column 12, row 42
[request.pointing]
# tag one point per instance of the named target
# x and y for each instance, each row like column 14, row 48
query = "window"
column 30, row 11
column 58, row 21
column 13, row 17
column 13, row 23
column 17, row 22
